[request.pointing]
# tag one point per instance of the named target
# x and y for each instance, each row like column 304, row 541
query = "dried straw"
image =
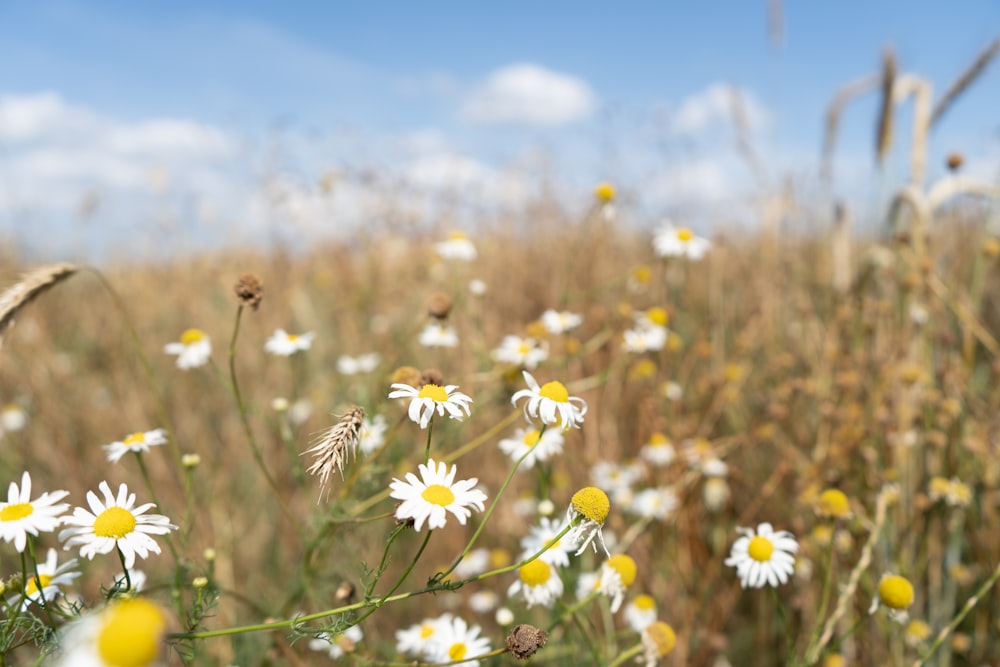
column 965, row 80
column 31, row 285
column 335, row 446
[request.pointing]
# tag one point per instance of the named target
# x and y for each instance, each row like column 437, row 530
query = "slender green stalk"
column 128, row 578
column 627, row 655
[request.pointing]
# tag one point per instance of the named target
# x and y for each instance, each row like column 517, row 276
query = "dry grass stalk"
column 334, row 447
column 31, row 285
column 965, row 80
column 920, row 89
column 883, row 141
column 844, row 95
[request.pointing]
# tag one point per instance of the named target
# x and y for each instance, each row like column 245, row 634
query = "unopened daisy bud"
column 504, row 617
column 199, row 582
column 658, row 640
column 917, row 632
column 524, row 640
column 190, row 460
column 209, row 554
column 439, row 305
column 716, row 494
column 249, row 290
column 895, row 592
column 834, row 504
column 588, row 510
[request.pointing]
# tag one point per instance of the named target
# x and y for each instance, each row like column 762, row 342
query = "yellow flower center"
column 438, row 495
column 433, row 392
column 457, row 235
column 192, row 336
column 658, row 440
column 624, row 566
column 896, row 592
column 833, row 502
column 524, row 348
column 37, row 583
column 531, row 438
column 592, row 503
column 918, row 630
column 554, row 391
column 684, row 234
column 131, row 634
column 645, row 602
column 760, row 549
column 535, row 573
column 135, row 439
column 604, row 192
column 115, row 522
column 292, row 338
column 426, row 631
column 16, row 511
column 657, row 315
column 457, row 651
column 642, row 274
column 662, row 636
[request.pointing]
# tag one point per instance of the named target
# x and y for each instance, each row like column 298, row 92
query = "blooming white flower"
column 338, row 645
column 538, row 583
column 519, row 351
column 658, row 639
column 193, row 350
column 51, row 576
column 658, row 450
column 20, row 515
column 372, row 434
column 457, row 641
column 135, row 582
column 640, row 612
column 615, row 476
column 434, row 494
column 587, row 583
column 541, row 535
column 551, row 403
column 457, row 246
column 438, row 335
column 116, row 522
column 764, row 557
column 430, row 398
column 477, row 287
column 617, row 574
column 657, row 503
column 284, row 344
column 713, row 467
column 483, row 602
column 537, row 445
column 417, row 639
column 126, row 632
column 560, row 322
column 475, row 562
column 673, row 391
column 12, row 418
column 673, row 241
column 363, row 363
column 645, row 339
column 138, row 442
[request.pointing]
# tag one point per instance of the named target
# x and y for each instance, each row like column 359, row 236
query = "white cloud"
column 691, row 182
column 527, row 94
column 712, row 108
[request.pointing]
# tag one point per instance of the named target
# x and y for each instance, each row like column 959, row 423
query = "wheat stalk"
column 883, row 141
column 965, row 80
column 335, row 446
column 31, row 285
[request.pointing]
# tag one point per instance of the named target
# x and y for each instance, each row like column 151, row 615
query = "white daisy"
column 135, row 582
column 588, row 510
column 126, row 632
column 617, row 574
column 434, row 494
column 560, row 322
column 115, row 523
column 672, row 391
column 457, row 246
column 640, row 612
column 614, row 476
column 193, row 350
column 363, row 363
column 338, row 645
column 764, row 557
column 20, row 515
column 457, row 641
column 138, row 442
column 483, row 602
column 51, row 576
column 542, row 534
column 519, row 351
column 475, row 562
column 430, row 398
column 658, row 639
column 551, row 403
column 416, row 640
column 645, row 339
column 587, row 583
column 477, row 287
column 673, row 241
column 538, row 583
column 438, row 335
column 538, row 446
column 12, row 418
column 372, row 434
column 657, row 503
column 284, row 344
column 658, row 450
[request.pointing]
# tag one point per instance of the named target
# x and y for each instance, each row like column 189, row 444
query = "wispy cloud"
column 527, row 94
column 713, row 108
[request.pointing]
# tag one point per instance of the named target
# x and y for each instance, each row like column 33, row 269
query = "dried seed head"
column 954, row 161
column 524, row 640
column 249, row 290
column 333, row 448
column 345, row 592
column 432, row 376
column 439, row 305
column 407, row 375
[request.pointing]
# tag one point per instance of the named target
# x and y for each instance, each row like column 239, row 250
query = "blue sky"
column 188, row 110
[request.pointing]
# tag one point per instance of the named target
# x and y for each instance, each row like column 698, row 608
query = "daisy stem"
column 571, row 610
column 377, row 604
column 460, row 661
column 152, row 494
column 427, row 449
column 515, row 566
column 827, row 586
column 783, row 618
column 385, row 557
column 625, row 656
column 128, row 578
column 38, row 581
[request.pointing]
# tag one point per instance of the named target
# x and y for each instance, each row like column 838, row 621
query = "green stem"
column 430, row 430
column 966, row 608
column 128, row 579
column 627, row 655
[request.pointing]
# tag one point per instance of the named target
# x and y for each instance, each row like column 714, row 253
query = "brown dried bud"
column 524, row 640
column 439, row 305
column 432, row 376
column 955, row 160
column 407, row 375
column 249, row 290
column 345, row 592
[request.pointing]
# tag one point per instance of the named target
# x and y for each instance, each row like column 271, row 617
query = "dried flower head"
column 249, row 290
column 432, row 376
column 439, row 305
column 524, row 640
column 954, row 161
column 333, row 448
column 407, row 375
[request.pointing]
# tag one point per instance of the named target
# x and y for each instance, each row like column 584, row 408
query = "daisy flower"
column 588, row 510
column 645, row 339
column 51, row 576
column 896, row 593
column 193, row 350
column 475, row 562
column 283, row 344
column 138, row 442
column 615, row 476
column 438, row 335
column 116, row 522
column 537, row 445
column 763, row 557
column 658, row 640
column 617, row 574
column 658, row 450
column 483, row 602
column 520, row 352
column 416, row 640
column 560, row 322
column 458, row 641
column 640, row 612
column 20, row 515
column 364, row 363
column 477, row 287
column 551, row 403
column 657, row 503
column 542, row 534
column 538, row 583
column 338, row 645
column 673, row 391
column 435, row 493
column 587, row 583
column 457, row 246
column 673, row 241
column 430, row 398
column 127, row 632
column 12, row 418
column 372, row 434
